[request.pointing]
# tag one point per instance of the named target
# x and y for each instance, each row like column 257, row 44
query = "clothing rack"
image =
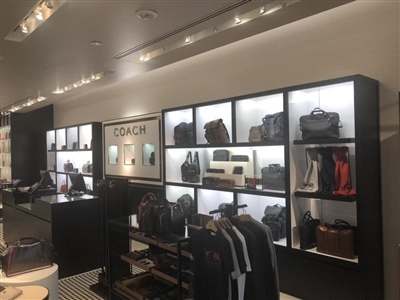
column 228, row 210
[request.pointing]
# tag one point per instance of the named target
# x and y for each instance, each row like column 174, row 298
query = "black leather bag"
column 26, row 255
column 273, row 177
column 308, row 236
column 146, row 213
column 221, row 155
column 320, row 124
column 275, row 218
column 190, row 170
column 274, row 125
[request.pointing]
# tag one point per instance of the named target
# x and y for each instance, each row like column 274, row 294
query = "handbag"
column 68, row 166
column 26, row 255
column 274, row 126
column 239, row 158
column 275, row 218
column 273, row 177
column 87, row 168
column 311, row 181
column 308, row 237
column 336, row 239
column 216, row 132
column 146, row 217
column 190, row 170
column 221, row 155
column 320, row 124
column 63, row 188
column 75, row 145
column 256, row 133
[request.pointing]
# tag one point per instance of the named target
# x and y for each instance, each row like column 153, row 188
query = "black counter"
column 72, row 224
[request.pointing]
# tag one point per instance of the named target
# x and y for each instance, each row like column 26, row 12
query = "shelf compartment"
column 325, row 141
column 323, row 196
column 141, row 237
column 174, row 249
column 314, row 251
column 144, row 287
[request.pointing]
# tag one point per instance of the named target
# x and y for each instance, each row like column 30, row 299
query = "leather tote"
column 307, row 231
column 320, row 124
column 26, row 255
column 273, row 177
column 274, row 125
column 311, row 181
column 342, row 173
column 68, row 166
column 336, row 239
column 328, row 167
column 256, row 133
column 190, row 170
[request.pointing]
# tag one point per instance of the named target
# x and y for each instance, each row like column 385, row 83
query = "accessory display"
column 183, row 133
column 273, row 177
column 275, row 219
column 221, row 155
column 68, row 166
column 274, row 125
column 256, row 133
column 308, row 237
column 320, row 124
column 191, row 169
column 336, row 239
column 28, row 254
column 216, row 132
column 239, row 158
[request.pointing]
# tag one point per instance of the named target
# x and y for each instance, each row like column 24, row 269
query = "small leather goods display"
column 183, row 133
column 336, row 239
column 190, row 170
column 216, row 132
column 320, row 124
column 239, row 158
column 221, row 155
column 26, row 255
column 275, row 219
column 210, row 181
column 274, row 125
column 68, row 166
column 273, row 177
column 307, row 231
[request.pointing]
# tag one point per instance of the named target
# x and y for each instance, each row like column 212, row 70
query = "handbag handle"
column 148, row 197
column 341, row 222
column 189, row 157
column 28, row 241
column 307, row 216
column 318, row 111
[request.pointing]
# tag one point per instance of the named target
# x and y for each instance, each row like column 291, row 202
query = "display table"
column 33, row 292
column 71, row 224
column 47, row 278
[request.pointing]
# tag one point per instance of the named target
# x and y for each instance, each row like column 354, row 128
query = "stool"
column 47, row 277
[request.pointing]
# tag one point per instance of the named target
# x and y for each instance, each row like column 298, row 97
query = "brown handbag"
column 226, row 183
column 63, row 188
column 336, row 239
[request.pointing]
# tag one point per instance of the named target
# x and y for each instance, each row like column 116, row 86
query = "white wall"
column 357, row 38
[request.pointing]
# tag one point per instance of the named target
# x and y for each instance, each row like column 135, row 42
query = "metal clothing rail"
column 228, row 210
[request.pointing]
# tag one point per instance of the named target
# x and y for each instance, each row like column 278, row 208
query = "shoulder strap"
column 189, row 157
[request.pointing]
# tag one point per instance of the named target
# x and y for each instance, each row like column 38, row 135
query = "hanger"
column 229, row 223
column 211, row 225
column 223, row 223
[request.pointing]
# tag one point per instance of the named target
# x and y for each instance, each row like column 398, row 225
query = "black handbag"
column 274, row 125
column 320, row 124
column 221, row 155
column 190, row 170
column 273, row 177
column 239, row 158
column 26, row 255
column 275, row 218
column 308, row 236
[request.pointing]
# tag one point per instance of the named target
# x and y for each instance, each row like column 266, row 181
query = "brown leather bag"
column 336, row 239
column 226, row 183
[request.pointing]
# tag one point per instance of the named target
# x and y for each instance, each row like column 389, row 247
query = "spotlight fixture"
column 146, row 14
column 23, row 103
column 259, row 12
column 35, row 17
column 82, row 82
column 24, row 29
column 96, row 43
column 49, row 5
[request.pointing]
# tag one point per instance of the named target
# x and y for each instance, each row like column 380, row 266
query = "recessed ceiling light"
column 96, row 43
column 146, row 14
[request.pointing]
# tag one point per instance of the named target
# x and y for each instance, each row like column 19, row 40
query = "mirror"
column 129, row 154
column 113, row 155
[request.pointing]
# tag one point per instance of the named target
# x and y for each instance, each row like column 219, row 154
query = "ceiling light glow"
column 24, row 29
column 187, row 39
column 238, row 20
column 39, row 15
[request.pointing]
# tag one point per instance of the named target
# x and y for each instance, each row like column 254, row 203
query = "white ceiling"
column 58, row 53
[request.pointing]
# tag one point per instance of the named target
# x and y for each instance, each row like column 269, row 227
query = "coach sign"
column 132, row 148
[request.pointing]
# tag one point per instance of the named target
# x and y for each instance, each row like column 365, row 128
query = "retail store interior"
column 272, row 126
